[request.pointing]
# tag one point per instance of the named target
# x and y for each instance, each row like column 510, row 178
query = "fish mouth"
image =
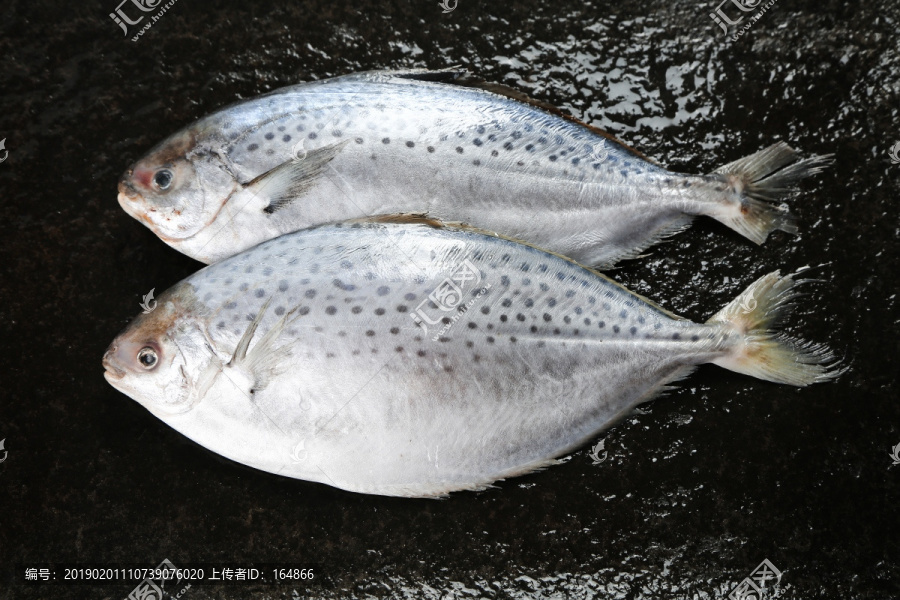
column 112, row 373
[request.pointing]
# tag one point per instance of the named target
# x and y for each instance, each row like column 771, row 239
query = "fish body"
column 414, row 359
column 419, row 142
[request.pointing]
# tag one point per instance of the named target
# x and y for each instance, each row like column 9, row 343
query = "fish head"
column 160, row 357
column 178, row 188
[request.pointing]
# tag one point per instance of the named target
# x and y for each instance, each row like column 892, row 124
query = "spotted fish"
column 434, row 142
column 417, row 359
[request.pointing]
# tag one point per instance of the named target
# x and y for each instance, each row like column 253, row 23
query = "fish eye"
column 163, row 179
column 147, row 357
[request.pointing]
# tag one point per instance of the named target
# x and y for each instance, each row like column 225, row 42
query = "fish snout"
column 126, row 187
column 109, row 363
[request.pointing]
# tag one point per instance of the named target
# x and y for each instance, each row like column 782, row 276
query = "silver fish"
column 420, row 142
column 415, row 359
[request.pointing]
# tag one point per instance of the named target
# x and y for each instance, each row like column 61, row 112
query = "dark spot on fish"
column 633, row 330
column 383, row 290
column 409, row 296
column 601, row 324
column 313, row 135
column 410, row 144
column 534, row 329
column 304, row 310
column 480, row 129
column 356, row 310
column 552, row 157
column 253, row 147
column 445, row 320
column 469, row 343
column 504, row 281
column 331, row 310
column 459, row 150
column 379, row 311
column 395, row 330
column 676, row 336
column 231, row 305
column 490, row 339
column 529, row 302
column 430, row 148
column 508, row 146
column 551, row 302
column 472, row 325
column 270, row 135
column 221, row 324
column 544, row 287
column 401, row 308
column 476, row 162
column 310, row 293
column 477, row 142
column 244, row 287
column 547, row 317
column 260, row 293
column 506, row 303
column 286, row 138
column 624, row 314
column 567, row 319
column 421, row 353
column 299, row 127
column 615, row 329
column 443, row 339
column 399, row 348
column 369, row 333
column 494, row 153
column 556, row 331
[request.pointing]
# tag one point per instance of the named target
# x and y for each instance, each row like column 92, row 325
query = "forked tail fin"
column 759, row 180
column 765, row 353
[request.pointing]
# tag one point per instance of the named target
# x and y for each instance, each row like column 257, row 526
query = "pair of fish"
column 340, row 339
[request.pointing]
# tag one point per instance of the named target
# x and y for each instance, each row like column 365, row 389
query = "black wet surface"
column 719, row 475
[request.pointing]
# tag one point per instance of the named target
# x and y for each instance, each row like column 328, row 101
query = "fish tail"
column 762, row 351
column 756, row 182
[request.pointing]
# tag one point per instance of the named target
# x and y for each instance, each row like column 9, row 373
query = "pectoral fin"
column 265, row 360
column 289, row 181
